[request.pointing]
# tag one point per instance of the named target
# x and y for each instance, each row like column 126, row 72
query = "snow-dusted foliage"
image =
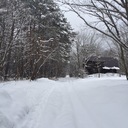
column 34, row 39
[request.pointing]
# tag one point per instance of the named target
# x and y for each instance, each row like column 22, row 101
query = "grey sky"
column 74, row 20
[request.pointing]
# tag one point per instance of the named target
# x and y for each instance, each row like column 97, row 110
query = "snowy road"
column 67, row 103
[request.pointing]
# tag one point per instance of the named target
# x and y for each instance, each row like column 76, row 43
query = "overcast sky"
column 76, row 23
column 74, row 20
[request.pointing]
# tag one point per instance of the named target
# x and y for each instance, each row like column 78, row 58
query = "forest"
column 36, row 40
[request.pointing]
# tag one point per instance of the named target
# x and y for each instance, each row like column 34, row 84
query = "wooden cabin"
column 101, row 65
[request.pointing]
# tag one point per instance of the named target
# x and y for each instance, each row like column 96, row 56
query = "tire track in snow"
column 82, row 113
column 66, row 118
column 59, row 106
column 32, row 118
column 90, row 114
column 52, row 109
column 57, row 112
column 63, row 108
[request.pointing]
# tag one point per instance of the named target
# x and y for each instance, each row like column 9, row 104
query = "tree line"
column 35, row 39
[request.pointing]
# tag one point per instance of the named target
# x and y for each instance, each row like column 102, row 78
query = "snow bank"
column 17, row 100
column 5, row 122
column 6, row 99
column 5, row 102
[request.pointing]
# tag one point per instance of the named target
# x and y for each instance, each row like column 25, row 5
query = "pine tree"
column 34, row 39
column 52, row 35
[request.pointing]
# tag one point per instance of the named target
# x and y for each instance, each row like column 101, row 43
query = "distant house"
column 101, row 64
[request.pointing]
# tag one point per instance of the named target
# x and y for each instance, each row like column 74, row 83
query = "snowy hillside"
column 66, row 103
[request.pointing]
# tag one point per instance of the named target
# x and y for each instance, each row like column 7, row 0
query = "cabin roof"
column 107, row 61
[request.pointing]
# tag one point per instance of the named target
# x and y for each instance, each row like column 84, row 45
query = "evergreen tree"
column 35, row 38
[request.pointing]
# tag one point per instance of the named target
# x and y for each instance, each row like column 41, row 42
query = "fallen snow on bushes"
column 65, row 103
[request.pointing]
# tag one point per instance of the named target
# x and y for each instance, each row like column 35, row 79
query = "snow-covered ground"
column 66, row 103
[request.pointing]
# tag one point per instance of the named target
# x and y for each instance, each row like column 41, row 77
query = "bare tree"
column 9, row 33
column 108, row 15
column 86, row 44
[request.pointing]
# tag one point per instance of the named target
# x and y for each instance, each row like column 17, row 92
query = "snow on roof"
column 105, row 67
column 107, row 61
column 117, row 68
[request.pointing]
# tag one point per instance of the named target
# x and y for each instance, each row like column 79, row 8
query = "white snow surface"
column 65, row 103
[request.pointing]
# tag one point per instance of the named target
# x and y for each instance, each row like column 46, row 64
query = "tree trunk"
column 124, row 62
column 9, row 52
